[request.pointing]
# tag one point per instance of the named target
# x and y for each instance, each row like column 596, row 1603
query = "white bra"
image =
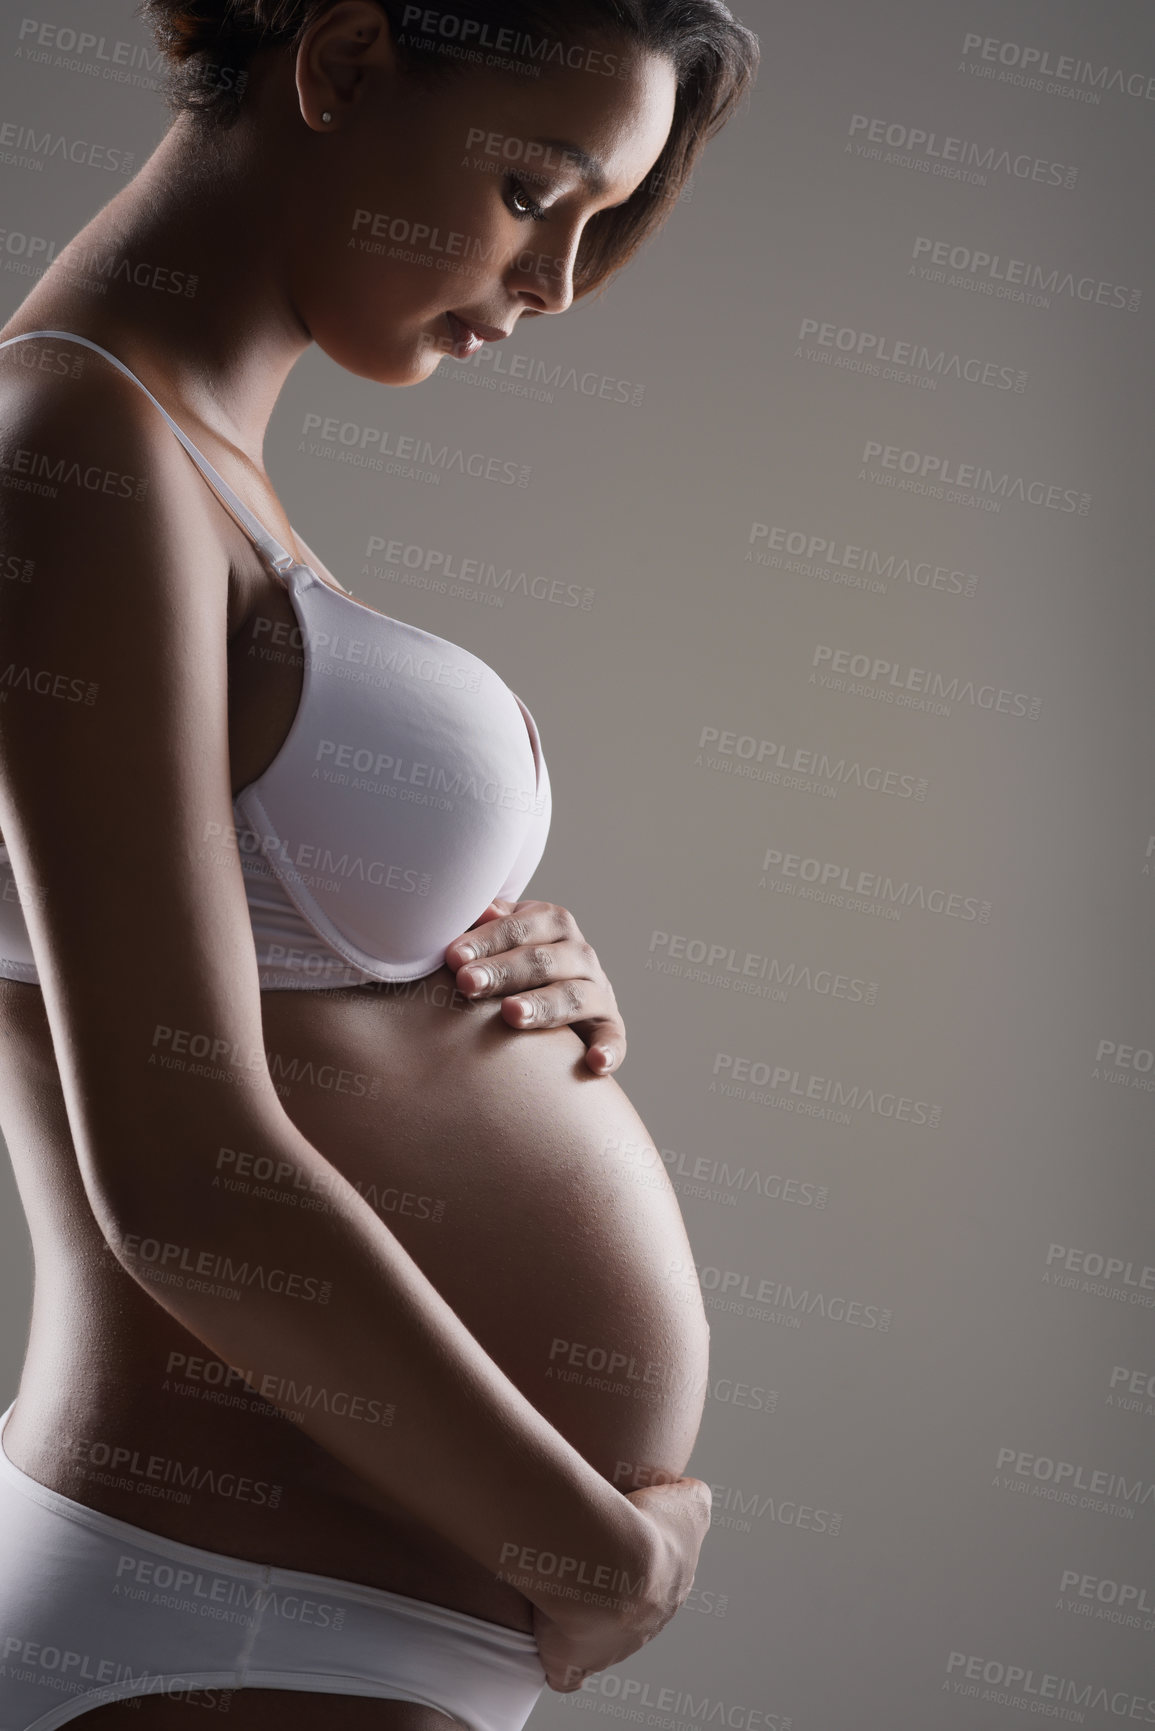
column 410, row 790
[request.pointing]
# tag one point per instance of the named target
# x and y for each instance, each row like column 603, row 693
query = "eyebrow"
column 588, row 166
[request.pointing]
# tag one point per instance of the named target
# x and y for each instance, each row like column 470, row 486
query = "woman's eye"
column 520, row 202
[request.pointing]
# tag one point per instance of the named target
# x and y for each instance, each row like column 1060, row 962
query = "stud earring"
column 326, row 117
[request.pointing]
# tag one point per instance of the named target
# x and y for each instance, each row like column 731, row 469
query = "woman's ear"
column 336, row 54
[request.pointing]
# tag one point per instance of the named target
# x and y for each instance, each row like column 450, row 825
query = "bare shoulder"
column 94, row 486
column 56, row 384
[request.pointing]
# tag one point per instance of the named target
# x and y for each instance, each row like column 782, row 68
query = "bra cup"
column 366, row 873
column 408, row 789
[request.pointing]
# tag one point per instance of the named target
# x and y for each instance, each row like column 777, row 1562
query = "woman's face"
column 427, row 205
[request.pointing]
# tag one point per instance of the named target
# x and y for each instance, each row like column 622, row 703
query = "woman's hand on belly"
column 518, row 945
column 591, row 1629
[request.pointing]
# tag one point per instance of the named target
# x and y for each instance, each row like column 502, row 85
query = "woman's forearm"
column 400, row 1391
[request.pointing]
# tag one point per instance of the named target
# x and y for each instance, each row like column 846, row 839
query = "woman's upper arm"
column 115, row 787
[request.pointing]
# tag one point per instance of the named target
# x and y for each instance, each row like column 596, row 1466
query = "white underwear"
column 93, row 1610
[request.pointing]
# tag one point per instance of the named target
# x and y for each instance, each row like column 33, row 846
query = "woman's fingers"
column 530, row 922
column 593, row 1015
column 553, row 986
column 535, row 959
column 531, row 965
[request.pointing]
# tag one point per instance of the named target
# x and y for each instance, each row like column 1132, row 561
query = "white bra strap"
column 278, row 557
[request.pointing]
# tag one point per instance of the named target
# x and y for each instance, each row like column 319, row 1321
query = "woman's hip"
column 94, row 1609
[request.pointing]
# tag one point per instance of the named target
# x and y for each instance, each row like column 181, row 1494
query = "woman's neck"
column 184, row 276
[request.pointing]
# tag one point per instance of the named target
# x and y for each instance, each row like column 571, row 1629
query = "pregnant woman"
column 329, row 1189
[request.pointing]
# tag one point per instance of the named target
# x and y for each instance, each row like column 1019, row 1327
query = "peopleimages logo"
column 45, row 43
column 1124, row 1065
column 1101, row 1274
column 1013, row 278
column 373, row 771
column 808, row 767
column 552, row 375
column 218, row 1595
column 1116, row 1600
column 367, row 447
column 366, row 652
column 858, row 567
column 100, row 1678
column 712, row 1180
column 31, row 149
column 1023, row 1687
column 1140, row 1387
column 669, row 1706
column 317, row 866
column 721, row 960
column 282, row 1390
column 836, row 876
column 738, row 1509
column 877, row 676
column 27, row 254
column 1062, row 1478
column 954, row 158
column 478, row 41
column 813, row 1096
column 844, row 344
column 145, row 1474
column 927, row 471
column 174, row 1261
column 1040, row 63
column 748, row 1294
column 433, row 568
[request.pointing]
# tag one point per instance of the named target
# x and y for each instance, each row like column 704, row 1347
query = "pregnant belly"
column 519, row 1183
column 514, row 1177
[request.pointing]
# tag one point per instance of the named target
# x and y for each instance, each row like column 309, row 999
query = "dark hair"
column 210, row 43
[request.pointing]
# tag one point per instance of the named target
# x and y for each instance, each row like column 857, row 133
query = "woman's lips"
column 465, row 340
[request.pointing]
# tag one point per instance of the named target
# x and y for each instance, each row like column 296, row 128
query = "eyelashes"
column 519, row 202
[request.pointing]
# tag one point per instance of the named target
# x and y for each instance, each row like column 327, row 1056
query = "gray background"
column 875, row 1560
